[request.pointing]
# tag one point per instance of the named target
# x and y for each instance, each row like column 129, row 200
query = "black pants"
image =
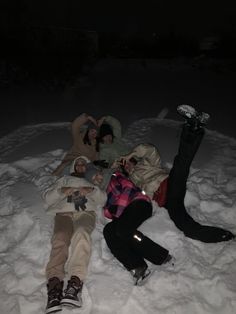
column 189, row 144
column 127, row 244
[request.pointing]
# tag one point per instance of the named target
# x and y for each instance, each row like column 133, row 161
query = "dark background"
column 50, row 47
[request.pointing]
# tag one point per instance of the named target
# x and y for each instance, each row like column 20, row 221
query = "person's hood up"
column 72, row 167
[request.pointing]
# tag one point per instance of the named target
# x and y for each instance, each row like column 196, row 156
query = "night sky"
column 26, row 73
column 197, row 18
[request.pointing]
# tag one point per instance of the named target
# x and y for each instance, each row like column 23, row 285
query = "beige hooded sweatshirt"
column 148, row 172
column 57, row 201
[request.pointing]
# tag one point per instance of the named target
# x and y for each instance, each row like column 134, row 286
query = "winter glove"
column 80, row 203
column 101, row 163
column 78, row 200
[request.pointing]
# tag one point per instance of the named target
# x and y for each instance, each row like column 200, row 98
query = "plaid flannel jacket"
column 120, row 193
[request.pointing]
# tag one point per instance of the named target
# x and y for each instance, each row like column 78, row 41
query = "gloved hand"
column 78, row 200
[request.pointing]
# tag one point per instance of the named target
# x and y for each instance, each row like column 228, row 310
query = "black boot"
column 54, row 287
column 149, row 249
column 140, row 275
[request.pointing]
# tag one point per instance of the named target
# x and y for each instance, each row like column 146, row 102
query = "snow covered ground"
column 203, row 279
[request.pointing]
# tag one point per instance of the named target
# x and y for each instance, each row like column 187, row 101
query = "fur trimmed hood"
column 72, row 167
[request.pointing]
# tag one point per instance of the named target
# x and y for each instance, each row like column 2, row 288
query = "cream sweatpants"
column 71, row 231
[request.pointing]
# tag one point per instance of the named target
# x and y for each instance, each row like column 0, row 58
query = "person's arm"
column 79, row 122
column 59, row 169
column 93, row 193
column 83, row 190
column 76, row 126
column 60, row 190
column 114, row 123
column 118, row 192
column 145, row 151
column 98, row 196
column 53, row 193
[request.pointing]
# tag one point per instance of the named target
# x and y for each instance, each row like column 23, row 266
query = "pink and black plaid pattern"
column 120, row 193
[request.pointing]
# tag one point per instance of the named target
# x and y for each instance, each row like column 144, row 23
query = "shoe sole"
column 187, row 111
column 71, row 303
column 53, row 309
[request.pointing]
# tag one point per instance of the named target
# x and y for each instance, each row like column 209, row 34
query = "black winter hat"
column 105, row 129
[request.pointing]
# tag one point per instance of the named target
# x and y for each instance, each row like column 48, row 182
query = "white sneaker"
column 192, row 116
column 187, row 111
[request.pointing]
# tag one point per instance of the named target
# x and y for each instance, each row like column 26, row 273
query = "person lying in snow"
column 84, row 131
column 74, row 200
column 143, row 166
column 128, row 207
column 111, row 144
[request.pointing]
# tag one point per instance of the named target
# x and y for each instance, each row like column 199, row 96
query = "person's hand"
column 125, row 158
column 84, row 117
column 122, row 161
column 68, row 190
column 84, row 190
column 116, row 164
column 100, row 121
column 93, row 120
